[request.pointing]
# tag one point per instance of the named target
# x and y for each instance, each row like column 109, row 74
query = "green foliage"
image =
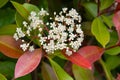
column 2, row 77
column 91, row 10
column 112, row 62
column 3, row 2
column 82, row 73
column 105, row 4
column 6, row 18
column 108, row 20
column 100, row 26
column 30, row 7
column 7, row 68
column 61, row 74
column 47, row 72
column 8, row 29
column 113, row 51
column 98, row 29
column 21, row 10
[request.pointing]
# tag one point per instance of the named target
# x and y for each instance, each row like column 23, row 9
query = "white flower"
column 20, row 33
column 43, row 12
column 25, row 23
column 64, row 31
column 69, row 21
column 68, row 52
column 31, row 48
column 72, row 36
column 16, row 36
column 64, row 10
column 24, row 46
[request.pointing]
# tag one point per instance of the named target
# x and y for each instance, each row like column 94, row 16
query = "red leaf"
column 117, row 8
column 91, row 53
column 27, row 62
column 116, row 21
column 118, row 77
column 118, row 1
column 79, row 60
column 10, row 47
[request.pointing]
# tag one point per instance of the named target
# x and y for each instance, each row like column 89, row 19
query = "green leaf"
column 2, row 77
column 91, row 8
column 27, row 77
column 113, row 39
column 21, row 10
column 100, row 32
column 3, row 2
column 8, row 29
column 61, row 74
column 19, row 19
column 47, row 72
column 31, row 7
column 108, row 20
column 106, row 3
column 82, row 73
column 112, row 62
column 106, row 70
column 7, row 68
column 113, row 51
column 6, row 16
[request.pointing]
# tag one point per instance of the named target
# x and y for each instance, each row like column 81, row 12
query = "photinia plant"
column 42, row 39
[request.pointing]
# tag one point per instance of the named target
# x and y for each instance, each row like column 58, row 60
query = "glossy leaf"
column 105, row 4
column 91, row 8
column 8, row 29
column 3, row 2
column 30, row 7
column 47, row 72
column 91, row 53
column 78, row 59
column 10, row 47
column 61, row 74
column 116, row 21
column 82, row 73
column 19, row 19
column 112, row 62
column 6, row 19
column 27, row 62
column 2, row 77
column 7, row 68
column 113, row 39
column 21, row 10
column 100, row 32
column 113, row 51
column 108, row 20
column 106, row 70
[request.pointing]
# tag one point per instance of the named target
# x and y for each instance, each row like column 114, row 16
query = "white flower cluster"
column 63, row 31
column 30, row 29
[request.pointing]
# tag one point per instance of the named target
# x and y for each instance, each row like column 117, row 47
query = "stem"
column 106, row 70
column 34, row 75
column 98, row 8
